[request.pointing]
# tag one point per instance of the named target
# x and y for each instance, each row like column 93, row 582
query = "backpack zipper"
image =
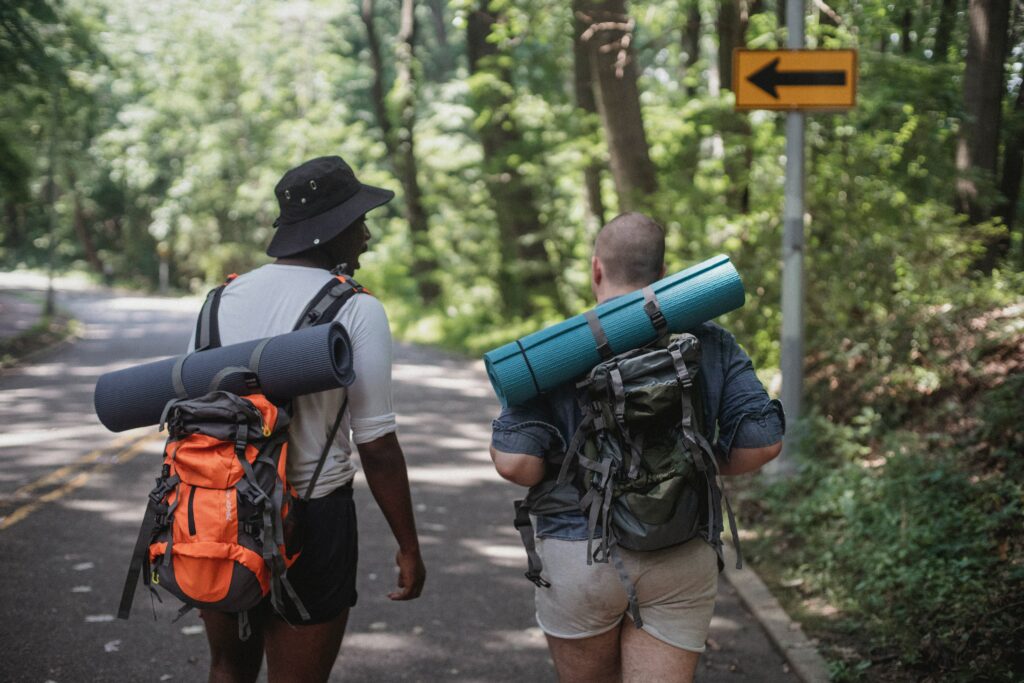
column 191, row 512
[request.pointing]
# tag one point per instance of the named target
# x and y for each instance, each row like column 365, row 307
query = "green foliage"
column 908, row 541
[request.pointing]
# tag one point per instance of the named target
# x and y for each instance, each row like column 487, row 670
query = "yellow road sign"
column 795, row 79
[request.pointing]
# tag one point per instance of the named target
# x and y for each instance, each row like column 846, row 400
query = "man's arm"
column 743, row 460
column 384, row 466
column 521, row 437
column 518, row 468
column 751, row 424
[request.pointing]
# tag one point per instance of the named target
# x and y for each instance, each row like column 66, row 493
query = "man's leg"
column 645, row 658
column 587, row 660
column 232, row 660
column 676, row 590
column 303, row 654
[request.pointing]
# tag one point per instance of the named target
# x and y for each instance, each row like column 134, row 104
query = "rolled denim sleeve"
column 748, row 417
column 522, row 429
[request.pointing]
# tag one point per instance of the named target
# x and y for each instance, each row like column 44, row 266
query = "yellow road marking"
column 77, row 482
column 90, row 457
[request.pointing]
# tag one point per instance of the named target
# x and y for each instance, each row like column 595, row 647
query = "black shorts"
column 324, row 576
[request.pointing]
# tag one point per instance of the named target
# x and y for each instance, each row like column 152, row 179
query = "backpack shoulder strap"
column 322, row 309
column 207, row 328
column 326, row 303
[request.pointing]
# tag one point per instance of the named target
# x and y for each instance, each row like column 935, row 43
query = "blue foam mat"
column 541, row 361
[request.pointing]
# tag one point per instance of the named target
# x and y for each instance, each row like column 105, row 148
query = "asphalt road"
column 72, row 495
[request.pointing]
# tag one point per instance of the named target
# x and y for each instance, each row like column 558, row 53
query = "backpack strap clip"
column 534, row 565
column 653, row 310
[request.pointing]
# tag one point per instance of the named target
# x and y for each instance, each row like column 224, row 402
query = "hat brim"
column 294, row 238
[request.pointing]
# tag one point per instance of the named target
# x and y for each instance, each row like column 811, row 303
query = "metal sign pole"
column 792, row 261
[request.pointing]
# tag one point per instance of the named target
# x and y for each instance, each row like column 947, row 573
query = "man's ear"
column 663, row 269
column 596, row 272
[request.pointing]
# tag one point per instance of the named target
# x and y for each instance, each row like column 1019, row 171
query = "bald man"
column 581, row 611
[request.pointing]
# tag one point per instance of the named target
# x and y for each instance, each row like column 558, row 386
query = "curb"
column 785, row 634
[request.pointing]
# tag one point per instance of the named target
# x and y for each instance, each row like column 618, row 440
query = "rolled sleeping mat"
column 541, row 361
column 289, row 365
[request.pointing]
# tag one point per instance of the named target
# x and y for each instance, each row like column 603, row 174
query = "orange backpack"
column 217, row 529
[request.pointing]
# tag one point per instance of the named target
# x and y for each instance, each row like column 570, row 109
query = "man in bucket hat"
column 320, row 234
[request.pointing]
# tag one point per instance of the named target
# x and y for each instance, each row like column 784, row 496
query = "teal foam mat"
column 541, row 361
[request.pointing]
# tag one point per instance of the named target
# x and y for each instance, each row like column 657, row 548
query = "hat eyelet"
column 287, row 194
column 303, row 200
column 312, row 184
column 316, row 241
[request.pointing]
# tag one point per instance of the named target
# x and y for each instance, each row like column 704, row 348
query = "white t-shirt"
column 266, row 302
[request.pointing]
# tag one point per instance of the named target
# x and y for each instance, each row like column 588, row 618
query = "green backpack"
column 640, row 466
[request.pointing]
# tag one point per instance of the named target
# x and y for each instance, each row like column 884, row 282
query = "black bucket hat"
column 318, row 200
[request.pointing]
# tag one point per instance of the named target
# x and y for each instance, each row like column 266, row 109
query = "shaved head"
column 631, row 249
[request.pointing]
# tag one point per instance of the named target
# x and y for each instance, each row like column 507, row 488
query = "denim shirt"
column 737, row 409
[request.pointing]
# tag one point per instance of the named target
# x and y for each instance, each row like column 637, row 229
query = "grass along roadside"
column 44, row 334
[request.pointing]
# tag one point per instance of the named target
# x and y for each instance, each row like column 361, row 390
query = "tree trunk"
column 730, row 36
column 446, row 60
column 401, row 146
column 424, row 264
column 906, row 26
column 12, row 233
column 691, row 44
column 733, row 18
column 1013, row 168
column 826, row 15
column 978, row 146
column 525, row 267
column 380, row 109
column 81, row 226
column 609, row 36
column 944, row 30
column 583, row 82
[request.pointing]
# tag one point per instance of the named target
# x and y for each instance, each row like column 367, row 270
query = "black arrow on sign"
column 769, row 78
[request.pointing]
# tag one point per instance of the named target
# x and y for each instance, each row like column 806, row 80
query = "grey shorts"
column 675, row 587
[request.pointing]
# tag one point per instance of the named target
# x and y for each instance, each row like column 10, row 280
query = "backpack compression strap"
column 651, row 307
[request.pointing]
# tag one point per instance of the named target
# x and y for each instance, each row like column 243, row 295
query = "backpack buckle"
column 537, row 579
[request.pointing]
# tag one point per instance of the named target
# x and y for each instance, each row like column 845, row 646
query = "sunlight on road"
column 501, row 555
column 526, row 639
column 454, row 475
column 462, row 382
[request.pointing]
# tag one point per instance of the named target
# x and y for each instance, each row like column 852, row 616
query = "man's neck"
column 609, row 291
column 305, row 263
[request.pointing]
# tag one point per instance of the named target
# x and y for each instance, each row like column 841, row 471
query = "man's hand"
column 411, row 575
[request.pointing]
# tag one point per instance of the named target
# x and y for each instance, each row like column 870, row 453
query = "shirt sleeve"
column 370, row 403
column 525, row 429
column 748, row 417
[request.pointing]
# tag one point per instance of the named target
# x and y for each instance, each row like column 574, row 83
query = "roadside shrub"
column 914, row 546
